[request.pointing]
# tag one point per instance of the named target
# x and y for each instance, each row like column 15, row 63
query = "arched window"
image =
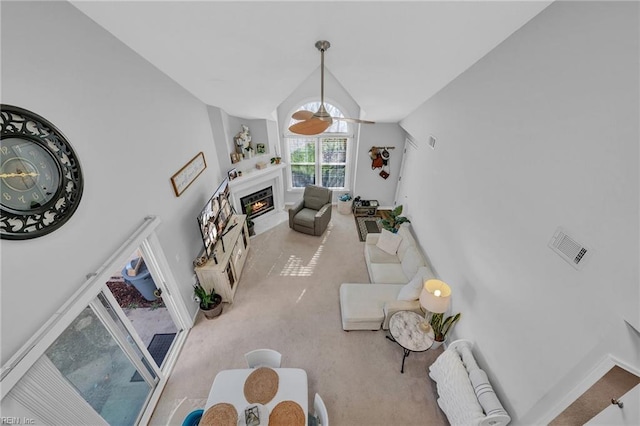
column 319, row 159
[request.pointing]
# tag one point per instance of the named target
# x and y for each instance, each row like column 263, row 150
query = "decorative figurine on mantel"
column 243, row 140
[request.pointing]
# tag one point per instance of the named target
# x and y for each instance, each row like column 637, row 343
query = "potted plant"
column 276, row 160
column 250, row 224
column 393, row 221
column 441, row 327
column 210, row 302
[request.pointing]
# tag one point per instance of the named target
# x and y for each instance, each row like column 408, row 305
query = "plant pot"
column 215, row 310
column 252, row 231
column 436, row 344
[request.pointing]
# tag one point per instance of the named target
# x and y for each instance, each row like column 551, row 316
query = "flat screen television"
column 214, row 217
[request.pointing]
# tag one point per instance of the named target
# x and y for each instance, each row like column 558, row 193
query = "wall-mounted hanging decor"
column 187, row 174
column 40, row 177
column 380, row 156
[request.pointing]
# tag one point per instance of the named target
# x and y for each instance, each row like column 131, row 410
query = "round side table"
column 404, row 327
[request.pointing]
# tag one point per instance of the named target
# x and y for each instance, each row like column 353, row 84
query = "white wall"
column 541, row 132
column 369, row 184
column 132, row 128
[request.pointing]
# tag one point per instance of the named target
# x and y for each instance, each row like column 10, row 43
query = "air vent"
column 568, row 248
column 432, row 142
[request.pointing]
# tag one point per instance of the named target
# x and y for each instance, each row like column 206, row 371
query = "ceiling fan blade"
column 313, row 126
column 302, row 115
column 354, row 120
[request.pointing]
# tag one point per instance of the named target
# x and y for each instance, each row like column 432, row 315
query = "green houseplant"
column 394, row 220
column 442, row 326
column 276, row 160
column 210, row 302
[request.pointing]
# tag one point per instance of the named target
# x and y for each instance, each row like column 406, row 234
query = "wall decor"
column 380, row 159
column 242, row 139
column 235, row 157
column 261, row 148
column 187, row 174
column 40, row 176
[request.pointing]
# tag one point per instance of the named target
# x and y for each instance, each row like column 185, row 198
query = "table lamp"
column 435, row 300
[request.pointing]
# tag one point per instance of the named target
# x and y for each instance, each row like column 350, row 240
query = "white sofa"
column 465, row 393
column 370, row 306
column 397, row 268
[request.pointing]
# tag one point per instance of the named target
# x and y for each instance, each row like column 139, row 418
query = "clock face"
column 30, row 175
column 40, row 176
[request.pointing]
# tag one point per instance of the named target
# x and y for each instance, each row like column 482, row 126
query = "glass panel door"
column 104, row 369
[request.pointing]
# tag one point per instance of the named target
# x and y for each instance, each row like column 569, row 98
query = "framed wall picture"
column 188, row 173
column 260, row 148
column 233, row 173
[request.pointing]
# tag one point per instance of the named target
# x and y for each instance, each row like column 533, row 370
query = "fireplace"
column 261, row 201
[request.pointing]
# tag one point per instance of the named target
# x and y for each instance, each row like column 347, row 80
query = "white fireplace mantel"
column 255, row 180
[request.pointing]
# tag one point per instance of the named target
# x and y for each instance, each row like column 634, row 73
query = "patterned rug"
column 366, row 224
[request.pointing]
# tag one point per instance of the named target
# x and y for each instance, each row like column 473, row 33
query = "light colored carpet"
column 288, row 300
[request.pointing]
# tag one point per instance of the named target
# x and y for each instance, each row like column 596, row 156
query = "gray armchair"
column 312, row 214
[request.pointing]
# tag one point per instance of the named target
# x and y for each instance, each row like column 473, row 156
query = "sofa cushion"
column 390, row 273
column 305, row 217
column 364, row 303
column 389, row 242
column 412, row 290
column 407, row 240
column 373, row 254
column 411, row 261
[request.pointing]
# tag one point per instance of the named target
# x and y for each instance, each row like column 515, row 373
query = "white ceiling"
column 248, row 57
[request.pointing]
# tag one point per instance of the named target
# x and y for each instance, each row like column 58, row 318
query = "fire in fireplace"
column 260, row 201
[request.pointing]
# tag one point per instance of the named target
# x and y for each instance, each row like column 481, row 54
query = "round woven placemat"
column 287, row 413
column 261, row 385
column 221, row 414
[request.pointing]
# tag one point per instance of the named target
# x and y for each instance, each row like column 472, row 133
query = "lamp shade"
column 435, row 296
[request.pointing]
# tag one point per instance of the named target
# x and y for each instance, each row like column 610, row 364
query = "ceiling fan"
column 313, row 123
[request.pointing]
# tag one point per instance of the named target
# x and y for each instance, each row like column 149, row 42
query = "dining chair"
column 263, row 358
column 320, row 410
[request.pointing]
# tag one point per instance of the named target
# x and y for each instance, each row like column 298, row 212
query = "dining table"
column 229, row 387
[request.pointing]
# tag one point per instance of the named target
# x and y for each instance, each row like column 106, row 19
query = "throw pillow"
column 411, row 291
column 389, row 242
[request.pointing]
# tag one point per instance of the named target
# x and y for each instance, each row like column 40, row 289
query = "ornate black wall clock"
column 40, row 177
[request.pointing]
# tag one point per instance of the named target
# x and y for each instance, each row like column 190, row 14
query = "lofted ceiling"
column 247, row 57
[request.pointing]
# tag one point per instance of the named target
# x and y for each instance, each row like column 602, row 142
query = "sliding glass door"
column 101, row 360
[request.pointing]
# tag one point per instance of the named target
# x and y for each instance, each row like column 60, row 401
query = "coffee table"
column 404, row 327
